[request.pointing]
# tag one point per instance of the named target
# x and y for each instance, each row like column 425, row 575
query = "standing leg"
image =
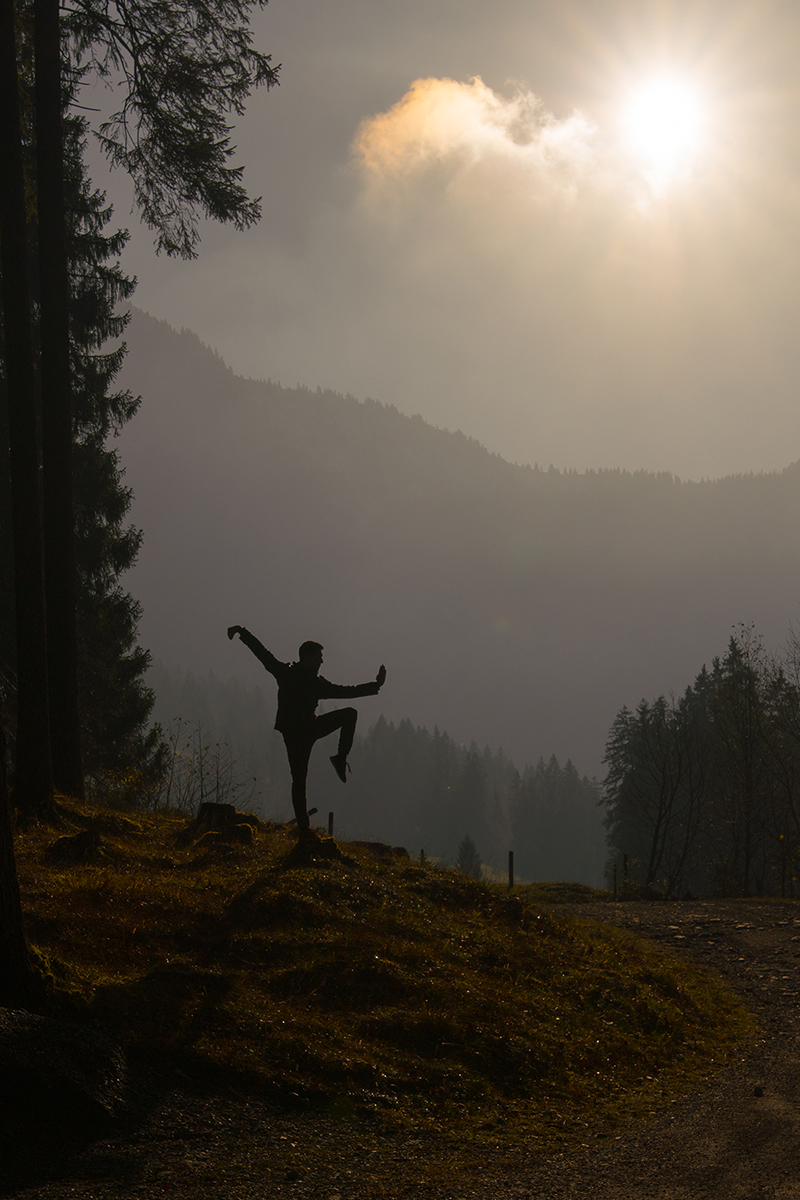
column 298, row 750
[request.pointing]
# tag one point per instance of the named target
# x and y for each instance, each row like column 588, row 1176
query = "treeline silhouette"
column 409, row 786
column 703, row 790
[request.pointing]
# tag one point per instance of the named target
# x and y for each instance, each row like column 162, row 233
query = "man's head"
column 310, row 655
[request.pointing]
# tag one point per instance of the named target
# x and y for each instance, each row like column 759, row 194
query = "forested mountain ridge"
column 513, row 605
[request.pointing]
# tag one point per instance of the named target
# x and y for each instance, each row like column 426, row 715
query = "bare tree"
column 200, row 771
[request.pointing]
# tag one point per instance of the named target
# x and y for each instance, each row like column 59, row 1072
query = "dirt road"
column 726, row 1141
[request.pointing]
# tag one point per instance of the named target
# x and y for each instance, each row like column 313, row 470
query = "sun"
column 664, row 125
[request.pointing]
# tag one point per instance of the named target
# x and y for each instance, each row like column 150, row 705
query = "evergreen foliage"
column 183, row 70
column 557, row 828
column 468, row 861
column 23, row 522
column 121, row 754
column 184, row 67
column 703, row 792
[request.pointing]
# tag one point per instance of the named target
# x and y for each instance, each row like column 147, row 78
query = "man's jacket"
column 300, row 690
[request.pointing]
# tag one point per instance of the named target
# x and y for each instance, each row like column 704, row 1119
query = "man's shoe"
column 341, row 766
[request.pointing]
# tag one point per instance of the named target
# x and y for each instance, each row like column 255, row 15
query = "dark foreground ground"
column 736, row 1138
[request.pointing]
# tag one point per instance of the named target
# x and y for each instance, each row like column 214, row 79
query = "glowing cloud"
column 443, row 121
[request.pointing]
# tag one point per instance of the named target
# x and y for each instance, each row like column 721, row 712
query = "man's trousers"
column 300, row 744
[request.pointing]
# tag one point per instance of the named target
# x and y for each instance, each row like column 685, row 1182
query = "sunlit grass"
column 371, row 986
column 563, row 893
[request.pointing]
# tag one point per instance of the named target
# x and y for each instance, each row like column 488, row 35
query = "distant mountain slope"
column 518, row 606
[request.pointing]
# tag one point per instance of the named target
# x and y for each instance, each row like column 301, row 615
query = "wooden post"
column 510, row 869
column 330, row 824
column 422, row 858
column 615, row 881
column 625, row 872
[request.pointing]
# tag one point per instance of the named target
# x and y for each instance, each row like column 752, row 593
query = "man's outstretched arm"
column 339, row 691
column 273, row 664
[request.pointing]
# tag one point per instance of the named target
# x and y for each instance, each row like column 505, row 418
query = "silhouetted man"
column 300, row 689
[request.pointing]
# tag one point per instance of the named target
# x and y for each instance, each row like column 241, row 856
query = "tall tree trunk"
column 59, row 519
column 33, row 785
column 15, row 967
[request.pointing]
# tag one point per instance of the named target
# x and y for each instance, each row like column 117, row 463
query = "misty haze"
column 517, row 606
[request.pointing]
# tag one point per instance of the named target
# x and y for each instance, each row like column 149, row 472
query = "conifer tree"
column 56, row 403
column 468, row 861
column 185, row 68
column 22, row 521
column 182, row 68
column 15, row 967
column 700, row 792
column 114, row 703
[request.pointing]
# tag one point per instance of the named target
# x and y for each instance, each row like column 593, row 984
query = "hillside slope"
column 353, row 982
column 517, row 606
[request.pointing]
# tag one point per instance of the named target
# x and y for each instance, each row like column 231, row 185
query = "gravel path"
column 737, row 1138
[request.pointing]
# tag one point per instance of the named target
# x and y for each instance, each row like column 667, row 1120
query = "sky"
column 474, row 212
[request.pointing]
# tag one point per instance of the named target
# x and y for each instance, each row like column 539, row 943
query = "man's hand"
column 232, row 629
column 380, row 678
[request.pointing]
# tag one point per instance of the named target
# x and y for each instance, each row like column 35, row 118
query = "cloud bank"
column 442, row 121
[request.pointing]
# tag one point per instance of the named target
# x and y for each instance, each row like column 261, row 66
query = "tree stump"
column 222, row 820
column 78, row 848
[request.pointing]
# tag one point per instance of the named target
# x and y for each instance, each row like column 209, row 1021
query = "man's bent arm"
column 273, row 664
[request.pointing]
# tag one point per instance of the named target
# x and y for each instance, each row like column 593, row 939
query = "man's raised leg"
column 343, row 719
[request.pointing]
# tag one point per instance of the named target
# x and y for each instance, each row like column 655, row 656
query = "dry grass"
column 563, row 893
column 368, row 986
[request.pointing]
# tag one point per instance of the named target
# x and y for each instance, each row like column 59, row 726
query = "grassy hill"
column 362, row 984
